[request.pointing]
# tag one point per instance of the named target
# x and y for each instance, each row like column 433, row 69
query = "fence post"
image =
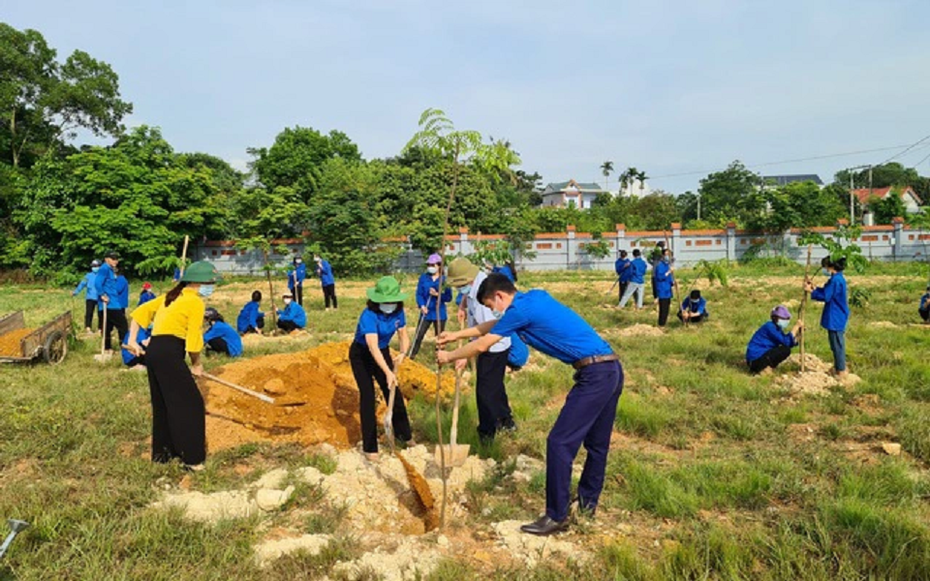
column 898, row 224
column 731, row 240
column 621, row 237
column 570, row 246
column 676, row 242
column 464, row 245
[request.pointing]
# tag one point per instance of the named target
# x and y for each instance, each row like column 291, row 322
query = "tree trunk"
column 13, row 138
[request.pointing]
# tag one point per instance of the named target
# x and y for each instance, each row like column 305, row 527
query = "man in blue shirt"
column 637, row 280
column 295, row 279
column 220, row 336
column 624, row 269
column 590, row 407
column 88, row 285
column 327, row 280
column 694, row 308
column 663, row 278
column 771, row 344
column 835, row 309
column 108, row 293
column 251, row 319
column 293, row 317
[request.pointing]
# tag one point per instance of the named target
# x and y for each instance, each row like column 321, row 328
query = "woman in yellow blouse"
column 178, row 413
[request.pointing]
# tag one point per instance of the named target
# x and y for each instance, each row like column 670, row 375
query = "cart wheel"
column 55, row 349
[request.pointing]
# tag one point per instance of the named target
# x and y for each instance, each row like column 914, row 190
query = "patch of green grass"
column 642, row 417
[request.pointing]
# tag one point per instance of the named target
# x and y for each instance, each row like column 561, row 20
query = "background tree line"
column 62, row 205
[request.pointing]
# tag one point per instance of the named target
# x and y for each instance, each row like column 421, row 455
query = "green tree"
column 888, row 174
column 42, row 101
column 731, row 195
column 606, row 168
column 296, row 159
column 887, row 208
column 655, row 211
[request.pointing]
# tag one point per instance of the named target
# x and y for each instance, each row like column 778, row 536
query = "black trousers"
column 663, row 311
column 90, row 307
column 422, row 328
column 772, row 358
column 694, row 318
column 287, row 325
column 622, row 286
column 924, row 314
column 138, row 360
column 366, row 372
column 178, row 414
column 490, row 393
column 219, row 345
column 299, row 293
column 116, row 319
column 329, row 293
column 259, row 325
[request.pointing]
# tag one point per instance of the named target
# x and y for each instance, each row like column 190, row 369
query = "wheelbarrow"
column 49, row 342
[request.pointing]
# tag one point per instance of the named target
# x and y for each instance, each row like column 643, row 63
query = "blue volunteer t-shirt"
column 224, row 331
column 624, row 269
column 549, row 326
column 141, row 336
column 248, row 317
column 699, row 306
column 664, row 280
column 639, row 270
column 382, row 324
column 768, row 336
column 835, row 308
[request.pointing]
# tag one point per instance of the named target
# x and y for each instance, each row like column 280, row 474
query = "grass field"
column 713, row 474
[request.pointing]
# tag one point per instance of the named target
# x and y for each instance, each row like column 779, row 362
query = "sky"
column 677, row 89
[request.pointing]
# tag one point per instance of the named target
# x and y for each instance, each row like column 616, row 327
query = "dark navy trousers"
column 586, row 418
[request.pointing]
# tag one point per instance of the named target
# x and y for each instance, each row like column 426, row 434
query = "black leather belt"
column 595, row 359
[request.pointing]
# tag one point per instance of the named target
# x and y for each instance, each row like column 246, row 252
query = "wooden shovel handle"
column 239, row 388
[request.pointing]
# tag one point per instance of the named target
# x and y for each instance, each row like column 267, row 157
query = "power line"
column 912, row 146
column 926, row 157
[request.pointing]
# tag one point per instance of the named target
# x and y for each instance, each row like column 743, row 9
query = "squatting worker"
column 590, row 407
column 108, row 292
column 178, row 415
column 90, row 298
column 370, row 357
column 771, row 343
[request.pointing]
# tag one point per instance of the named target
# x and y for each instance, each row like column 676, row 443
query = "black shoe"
column 507, row 425
column 544, row 526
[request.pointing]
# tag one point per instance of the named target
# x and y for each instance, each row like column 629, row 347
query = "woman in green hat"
column 370, row 356
column 178, row 414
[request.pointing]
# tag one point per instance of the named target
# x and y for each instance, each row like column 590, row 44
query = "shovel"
column 455, row 454
column 251, row 393
column 103, row 356
column 16, row 527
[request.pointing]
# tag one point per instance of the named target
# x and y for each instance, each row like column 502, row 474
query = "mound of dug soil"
column 319, row 379
column 640, row 330
column 815, row 380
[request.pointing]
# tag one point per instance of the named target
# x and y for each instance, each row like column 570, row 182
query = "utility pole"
column 852, row 205
column 699, row 207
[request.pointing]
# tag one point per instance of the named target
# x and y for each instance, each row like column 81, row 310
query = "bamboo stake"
column 807, row 273
column 274, row 310
column 183, row 257
column 675, row 289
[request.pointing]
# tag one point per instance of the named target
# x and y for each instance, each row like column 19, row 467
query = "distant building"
column 908, row 196
column 563, row 194
column 635, row 189
column 779, row 181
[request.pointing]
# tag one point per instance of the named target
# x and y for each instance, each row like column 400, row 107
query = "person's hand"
column 391, row 379
column 399, row 360
column 135, row 349
column 197, row 370
column 424, row 310
column 808, row 285
column 146, row 342
column 442, row 357
column 105, row 299
column 433, row 292
column 460, row 315
column 445, row 337
column 460, row 365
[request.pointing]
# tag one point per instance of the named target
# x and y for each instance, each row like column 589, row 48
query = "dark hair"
column 257, row 296
column 695, row 294
column 637, row 252
column 623, row 253
column 513, row 269
column 373, row 306
column 495, row 283
column 174, row 293
column 838, row 265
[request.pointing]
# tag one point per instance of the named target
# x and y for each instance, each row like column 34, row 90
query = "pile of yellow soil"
column 10, row 343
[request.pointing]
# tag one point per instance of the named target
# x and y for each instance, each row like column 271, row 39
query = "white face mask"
column 432, row 269
column 783, row 324
column 287, row 301
column 387, row 308
column 298, row 261
column 205, row 290
column 465, row 290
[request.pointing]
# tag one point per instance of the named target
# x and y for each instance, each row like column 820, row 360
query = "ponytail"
column 174, row 293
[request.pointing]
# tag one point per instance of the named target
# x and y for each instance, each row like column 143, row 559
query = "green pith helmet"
column 202, row 272
column 461, row 272
column 386, row 290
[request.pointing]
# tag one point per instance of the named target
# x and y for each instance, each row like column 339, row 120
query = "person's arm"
column 194, row 338
column 470, row 349
column 131, row 345
column 447, row 295
column 403, row 338
column 371, row 339
column 80, row 286
column 470, row 333
column 422, row 295
column 100, row 282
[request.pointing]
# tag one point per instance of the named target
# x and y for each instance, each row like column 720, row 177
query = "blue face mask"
column 205, row 290
column 783, row 324
column 387, row 308
column 95, row 269
column 825, row 271
column 497, row 314
column 465, row 290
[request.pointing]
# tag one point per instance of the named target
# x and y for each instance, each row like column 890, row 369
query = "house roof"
column 789, row 179
column 863, row 194
column 558, row 187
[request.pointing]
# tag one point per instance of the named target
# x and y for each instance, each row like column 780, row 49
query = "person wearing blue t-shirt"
column 694, row 308
column 88, row 285
column 590, row 407
column 663, row 279
column 771, row 343
column 132, row 361
column 509, row 270
column 428, row 296
column 146, row 295
column 220, row 336
column 296, row 275
column 835, row 309
column 109, row 299
column 251, row 319
column 293, row 317
column 924, row 309
column 637, row 280
column 327, row 280
column 624, row 269
column 370, row 357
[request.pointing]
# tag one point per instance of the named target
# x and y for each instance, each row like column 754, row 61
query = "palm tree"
column 642, row 177
column 606, row 168
column 627, row 177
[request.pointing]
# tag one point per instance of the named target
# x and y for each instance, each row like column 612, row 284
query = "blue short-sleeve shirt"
column 549, row 326
column 382, row 324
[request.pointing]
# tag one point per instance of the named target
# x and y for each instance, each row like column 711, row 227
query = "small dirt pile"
column 816, row 379
column 883, row 325
column 640, row 330
column 321, row 377
column 9, row 343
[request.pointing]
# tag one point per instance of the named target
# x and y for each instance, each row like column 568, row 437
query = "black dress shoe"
column 544, row 526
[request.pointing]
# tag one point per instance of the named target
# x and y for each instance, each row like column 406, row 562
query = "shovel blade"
column 455, row 455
